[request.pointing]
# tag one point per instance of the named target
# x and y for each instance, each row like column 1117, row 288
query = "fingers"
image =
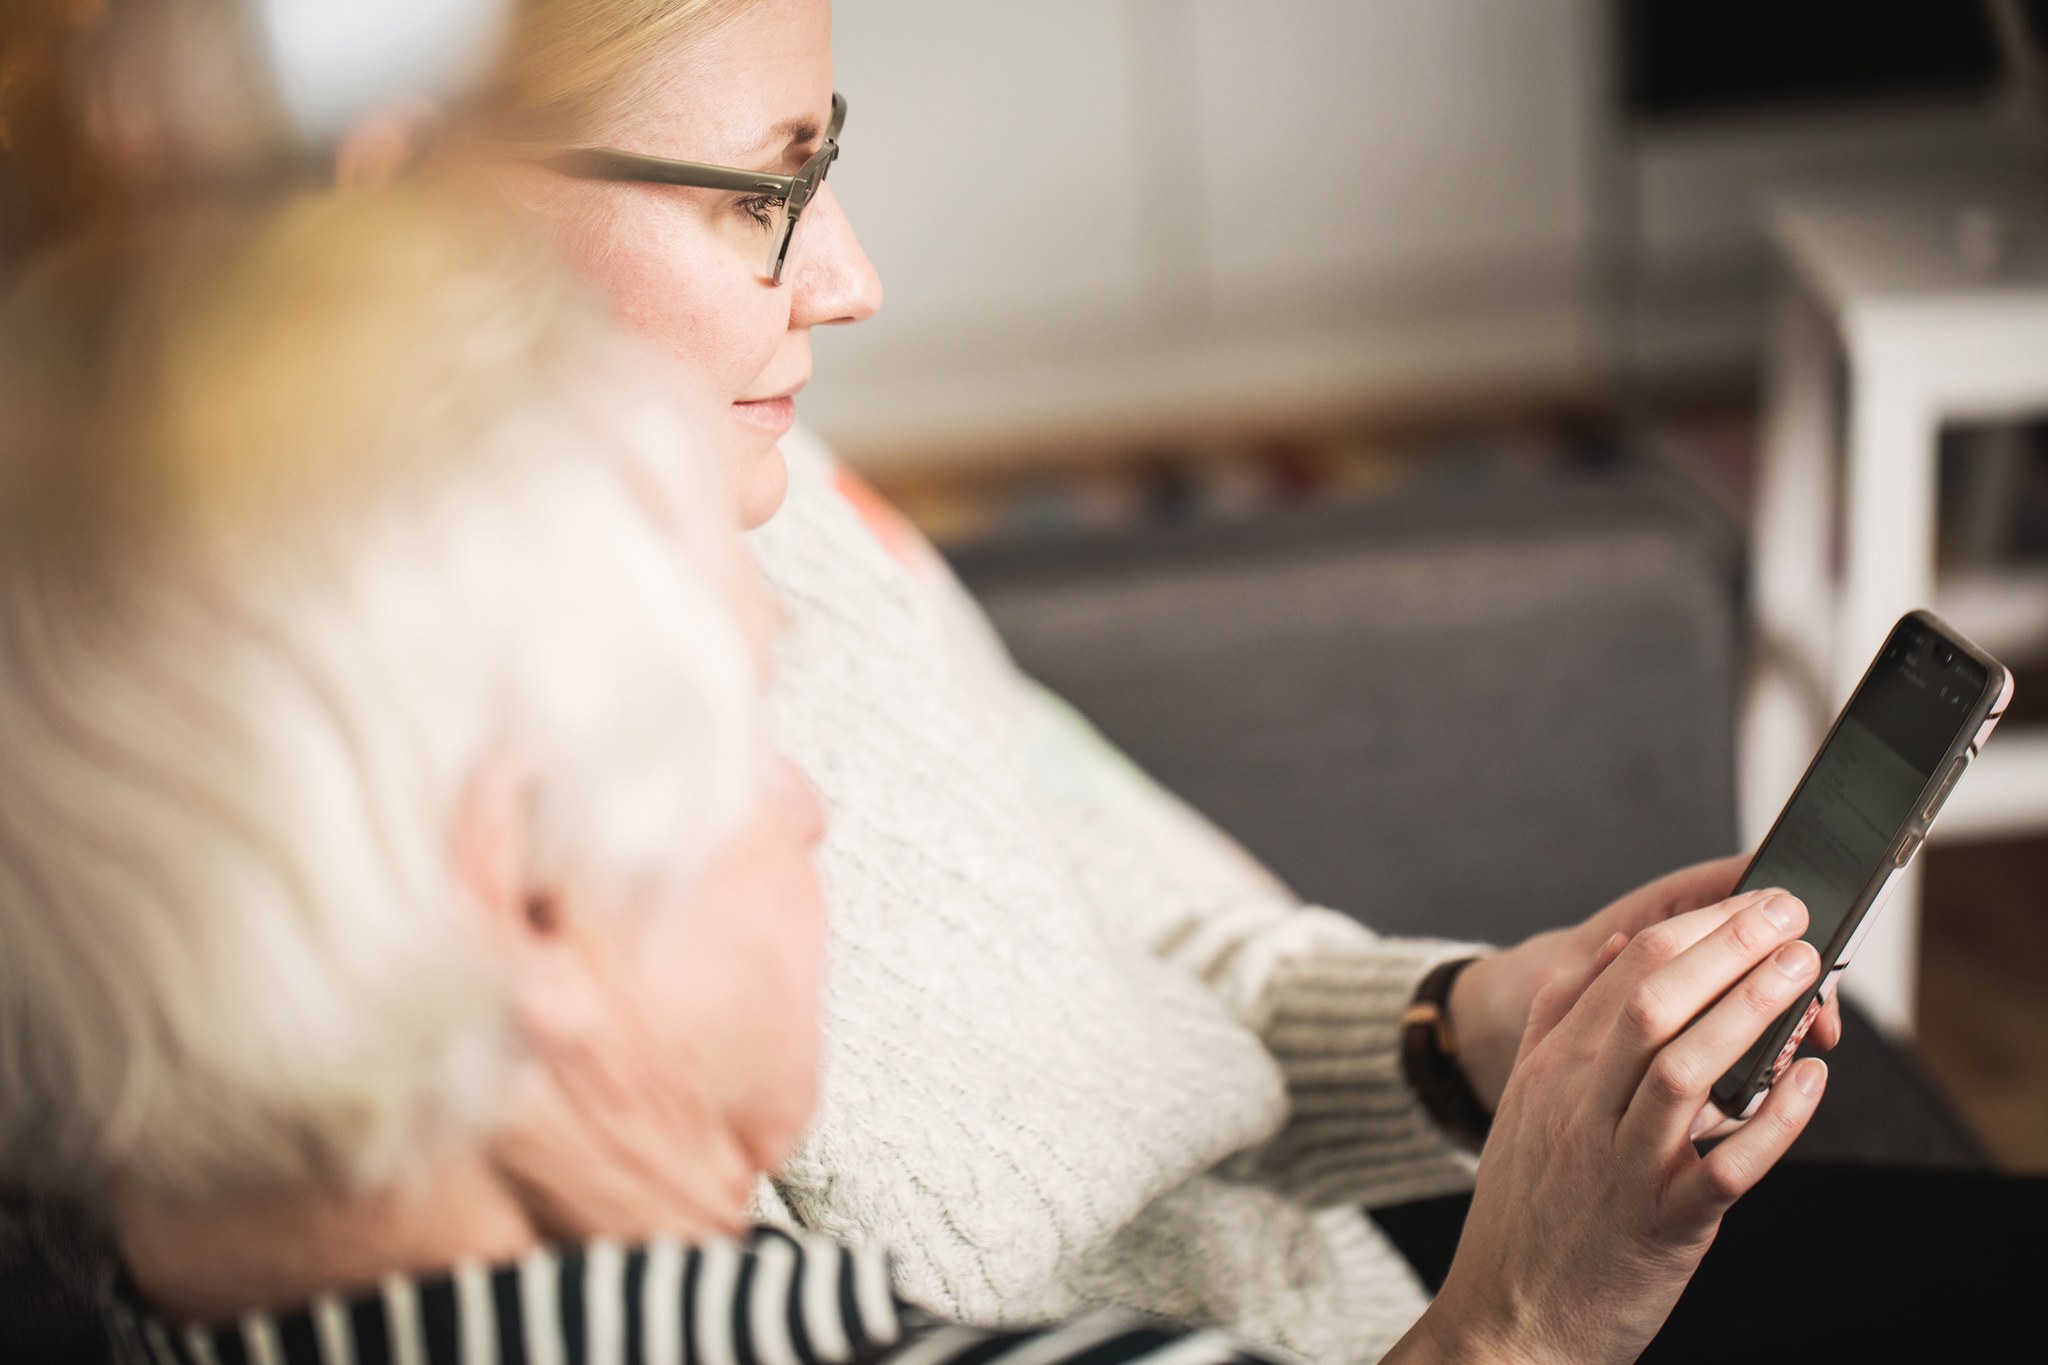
column 1673, row 971
column 1696, row 958
column 1666, row 977
column 1681, row 1076
column 1671, row 895
column 1703, row 884
column 1827, row 1030
column 1732, row 1169
column 1555, row 1001
column 1653, row 947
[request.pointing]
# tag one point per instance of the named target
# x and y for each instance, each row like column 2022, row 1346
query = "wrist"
column 1447, row 1332
column 1485, row 1045
column 1430, row 1060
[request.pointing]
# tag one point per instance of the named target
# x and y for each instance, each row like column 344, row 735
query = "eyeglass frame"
column 794, row 191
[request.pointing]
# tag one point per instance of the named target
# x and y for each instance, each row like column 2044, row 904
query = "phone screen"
column 1842, row 825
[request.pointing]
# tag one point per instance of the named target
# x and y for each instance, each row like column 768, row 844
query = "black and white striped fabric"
column 771, row 1299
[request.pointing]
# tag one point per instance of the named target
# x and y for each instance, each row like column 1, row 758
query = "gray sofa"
column 1469, row 711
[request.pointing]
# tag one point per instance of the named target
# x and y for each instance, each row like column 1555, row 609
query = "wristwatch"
column 1429, row 1059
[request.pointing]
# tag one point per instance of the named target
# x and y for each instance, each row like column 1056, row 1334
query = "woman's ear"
column 383, row 143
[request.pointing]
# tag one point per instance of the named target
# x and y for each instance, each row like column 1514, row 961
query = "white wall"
column 1140, row 215
column 1397, row 136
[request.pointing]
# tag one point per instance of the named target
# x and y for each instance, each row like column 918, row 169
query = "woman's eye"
column 760, row 208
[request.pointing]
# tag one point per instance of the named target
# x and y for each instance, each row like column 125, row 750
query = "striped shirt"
column 770, row 1299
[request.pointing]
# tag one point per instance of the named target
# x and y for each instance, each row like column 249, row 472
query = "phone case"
column 1911, row 839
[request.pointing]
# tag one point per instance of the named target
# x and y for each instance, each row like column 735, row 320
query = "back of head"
column 305, row 519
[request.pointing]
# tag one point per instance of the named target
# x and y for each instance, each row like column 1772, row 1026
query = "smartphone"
column 1910, row 730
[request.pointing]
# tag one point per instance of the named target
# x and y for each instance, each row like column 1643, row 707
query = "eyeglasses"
column 783, row 196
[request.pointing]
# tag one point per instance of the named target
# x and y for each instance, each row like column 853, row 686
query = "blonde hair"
column 571, row 66
column 303, row 522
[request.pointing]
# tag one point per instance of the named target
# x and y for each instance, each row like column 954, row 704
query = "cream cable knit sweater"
column 1080, row 1049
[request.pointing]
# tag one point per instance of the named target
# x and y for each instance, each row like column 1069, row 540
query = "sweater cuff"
column 1357, row 1133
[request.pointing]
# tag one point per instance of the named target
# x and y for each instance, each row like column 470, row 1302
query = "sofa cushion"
column 1464, row 712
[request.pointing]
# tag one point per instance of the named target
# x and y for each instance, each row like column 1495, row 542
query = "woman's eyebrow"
column 791, row 132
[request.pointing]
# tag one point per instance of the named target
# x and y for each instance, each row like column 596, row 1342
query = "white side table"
column 1889, row 330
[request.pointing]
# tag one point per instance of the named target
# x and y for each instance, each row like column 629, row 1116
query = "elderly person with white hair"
column 412, row 940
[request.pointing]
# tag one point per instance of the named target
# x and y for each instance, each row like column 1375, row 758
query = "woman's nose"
column 834, row 281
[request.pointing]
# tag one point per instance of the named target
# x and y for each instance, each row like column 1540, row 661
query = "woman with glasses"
column 1080, row 1050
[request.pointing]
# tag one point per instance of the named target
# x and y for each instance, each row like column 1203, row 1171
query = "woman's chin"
column 761, row 482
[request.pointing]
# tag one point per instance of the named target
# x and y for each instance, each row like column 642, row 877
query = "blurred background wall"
column 1098, row 216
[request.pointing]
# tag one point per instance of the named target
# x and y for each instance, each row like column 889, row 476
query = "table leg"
column 1888, row 517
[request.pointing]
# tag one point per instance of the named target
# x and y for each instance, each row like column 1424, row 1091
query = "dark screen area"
column 1840, row 828
column 1913, row 702
column 1690, row 57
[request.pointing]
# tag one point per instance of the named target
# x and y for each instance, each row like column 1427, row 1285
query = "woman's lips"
column 771, row 414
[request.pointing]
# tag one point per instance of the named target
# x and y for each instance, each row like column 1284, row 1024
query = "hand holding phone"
column 1593, row 1206
column 1922, row 712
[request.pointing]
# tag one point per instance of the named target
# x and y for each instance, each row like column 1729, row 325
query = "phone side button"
column 1948, row 784
column 1909, row 844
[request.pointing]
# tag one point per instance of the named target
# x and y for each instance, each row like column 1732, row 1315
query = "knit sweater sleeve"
column 1326, row 997
column 1324, row 993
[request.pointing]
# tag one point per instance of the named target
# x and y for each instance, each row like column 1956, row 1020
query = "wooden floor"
column 1984, row 977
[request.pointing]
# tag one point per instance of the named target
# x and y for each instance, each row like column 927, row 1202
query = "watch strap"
column 1429, row 1059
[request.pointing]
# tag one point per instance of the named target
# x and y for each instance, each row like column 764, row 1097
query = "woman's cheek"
column 742, row 324
column 686, row 285
column 662, row 273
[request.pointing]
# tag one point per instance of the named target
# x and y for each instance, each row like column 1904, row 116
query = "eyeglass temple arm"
column 608, row 163
column 603, row 163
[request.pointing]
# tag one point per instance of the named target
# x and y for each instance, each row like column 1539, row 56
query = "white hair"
column 323, row 518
